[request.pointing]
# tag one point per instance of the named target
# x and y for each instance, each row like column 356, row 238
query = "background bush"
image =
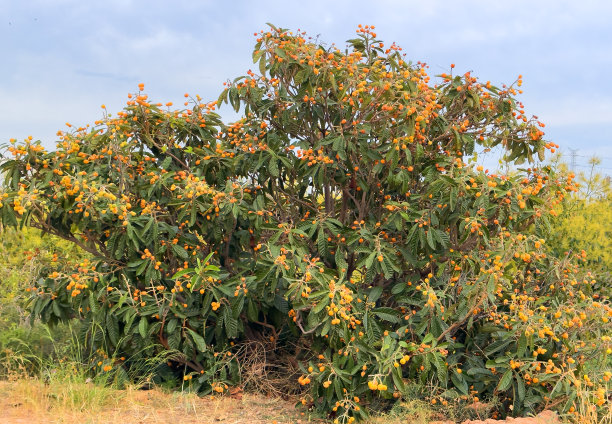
column 585, row 223
column 26, row 344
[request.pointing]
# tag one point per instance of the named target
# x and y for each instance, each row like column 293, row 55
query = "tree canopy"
column 340, row 218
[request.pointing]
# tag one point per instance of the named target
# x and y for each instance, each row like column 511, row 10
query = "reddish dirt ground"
column 33, row 402
column 545, row 417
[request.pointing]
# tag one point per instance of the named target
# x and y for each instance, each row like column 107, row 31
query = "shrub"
column 340, row 215
column 585, row 223
column 24, row 350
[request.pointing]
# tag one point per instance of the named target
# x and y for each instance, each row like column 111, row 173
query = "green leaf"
column 112, row 328
column 340, row 261
column 505, row 381
column 301, row 76
column 199, row 340
column 322, row 243
column 257, row 55
column 326, row 328
column 370, row 260
column 521, row 346
column 174, row 340
column 252, row 312
column 182, row 272
column 496, row 346
column 143, row 327
column 171, row 326
column 440, row 365
column 56, row 309
column 321, row 305
column 398, row 288
column 231, row 324
column 273, row 167
column 338, row 388
column 459, row 382
column 93, row 303
column 180, row 252
column 375, row 294
column 520, row 387
column 430, row 239
column 478, row 371
column 387, row 314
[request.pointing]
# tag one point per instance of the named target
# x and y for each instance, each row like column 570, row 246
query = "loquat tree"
column 340, row 215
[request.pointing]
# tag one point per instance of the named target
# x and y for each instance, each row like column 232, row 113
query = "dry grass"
column 33, row 402
column 413, row 412
column 586, row 411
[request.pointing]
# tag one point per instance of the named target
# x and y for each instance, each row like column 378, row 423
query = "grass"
column 586, row 413
column 62, row 400
column 66, row 402
column 413, row 411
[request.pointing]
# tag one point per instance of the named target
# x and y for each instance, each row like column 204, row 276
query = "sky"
column 63, row 59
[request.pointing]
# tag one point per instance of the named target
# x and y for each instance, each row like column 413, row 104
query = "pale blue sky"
column 62, row 59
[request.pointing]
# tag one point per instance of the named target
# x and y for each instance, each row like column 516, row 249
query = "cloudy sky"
column 62, row 59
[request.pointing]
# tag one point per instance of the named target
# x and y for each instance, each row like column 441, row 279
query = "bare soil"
column 545, row 417
column 39, row 404
column 34, row 402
